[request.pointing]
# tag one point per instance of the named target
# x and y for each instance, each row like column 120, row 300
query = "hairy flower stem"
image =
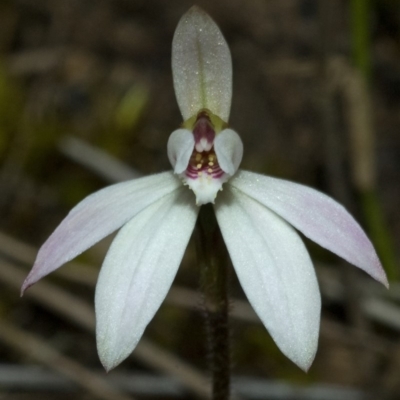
column 214, row 267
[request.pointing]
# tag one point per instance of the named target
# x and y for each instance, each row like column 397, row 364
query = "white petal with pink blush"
column 138, row 271
column 275, row 271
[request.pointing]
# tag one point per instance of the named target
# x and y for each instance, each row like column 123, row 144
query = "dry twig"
column 47, row 355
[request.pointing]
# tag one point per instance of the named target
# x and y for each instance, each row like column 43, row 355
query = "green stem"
column 361, row 26
column 361, row 11
column 214, row 268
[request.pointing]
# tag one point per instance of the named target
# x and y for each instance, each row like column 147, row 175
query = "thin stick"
column 41, row 351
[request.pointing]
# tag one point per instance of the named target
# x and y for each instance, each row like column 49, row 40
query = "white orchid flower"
column 258, row 217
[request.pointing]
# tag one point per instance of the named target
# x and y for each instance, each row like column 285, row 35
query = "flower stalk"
column 214, row 266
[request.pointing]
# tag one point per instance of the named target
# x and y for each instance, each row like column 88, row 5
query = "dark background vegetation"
column 97, row 73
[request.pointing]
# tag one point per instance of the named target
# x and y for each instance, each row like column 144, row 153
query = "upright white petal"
column 97, row 216
column 180, row 148
column 201, row 66
column 317, row 216
column 138, row 272
column 275, row 271
column 229, row 150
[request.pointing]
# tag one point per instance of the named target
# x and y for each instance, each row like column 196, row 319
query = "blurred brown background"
column 86, row 99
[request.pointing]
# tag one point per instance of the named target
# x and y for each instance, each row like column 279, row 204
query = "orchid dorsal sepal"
column 201, row 66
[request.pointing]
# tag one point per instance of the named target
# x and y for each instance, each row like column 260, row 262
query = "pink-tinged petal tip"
column 26, row 285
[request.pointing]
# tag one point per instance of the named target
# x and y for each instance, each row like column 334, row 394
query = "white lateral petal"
column 138, row 272
column 275, row 271
column 180, row 148
column 229, row 150
column 201, row 66
column 97, row 216
column 317, row 216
